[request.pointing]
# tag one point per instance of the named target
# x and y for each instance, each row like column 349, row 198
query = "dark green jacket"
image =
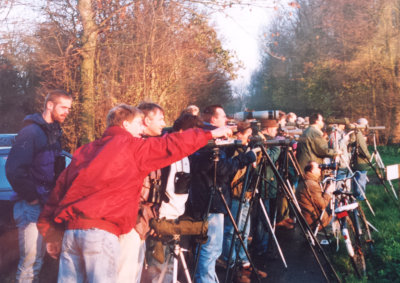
column 269, row 186
column 361, row 154
column 313, row 147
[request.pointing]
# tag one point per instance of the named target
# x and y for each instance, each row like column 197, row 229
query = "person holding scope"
column 312, row 145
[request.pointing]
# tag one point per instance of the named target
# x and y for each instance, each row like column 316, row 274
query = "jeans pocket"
column 25, row 213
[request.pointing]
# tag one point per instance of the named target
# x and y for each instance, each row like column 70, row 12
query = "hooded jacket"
column 33, row 162
column 101, row 187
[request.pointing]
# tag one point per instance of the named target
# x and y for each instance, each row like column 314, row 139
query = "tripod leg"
column 175, row 273
column 184, row 265
column 382, row 166
column 164, row 270
column 272, row 232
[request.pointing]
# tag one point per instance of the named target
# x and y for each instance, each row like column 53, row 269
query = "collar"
column 116, row 130
column 318, row 130
column 311, row 176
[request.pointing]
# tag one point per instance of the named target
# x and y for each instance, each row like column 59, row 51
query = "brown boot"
column 285, row 224
column 247, row 270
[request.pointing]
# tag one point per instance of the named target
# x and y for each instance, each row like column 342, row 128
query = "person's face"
column 315, row 169
column 134, row 127
column 219, row 118
column 292, row 119
column 60, row 108
column 244, row 137
column 271, row 131
column 320, row 122
column 154, row 123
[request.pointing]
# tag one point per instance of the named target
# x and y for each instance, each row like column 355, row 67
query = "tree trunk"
column 87, row 93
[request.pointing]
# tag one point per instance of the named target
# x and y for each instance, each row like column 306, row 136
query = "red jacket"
column 101, row 187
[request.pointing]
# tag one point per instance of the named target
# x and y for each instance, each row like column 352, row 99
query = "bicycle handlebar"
column 342, row 179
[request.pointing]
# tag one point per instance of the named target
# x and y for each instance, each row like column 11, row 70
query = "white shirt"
column 176, row 205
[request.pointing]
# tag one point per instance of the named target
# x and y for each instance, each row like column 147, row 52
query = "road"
column 302, row 266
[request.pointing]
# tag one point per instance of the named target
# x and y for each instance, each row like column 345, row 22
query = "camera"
column 331, row 166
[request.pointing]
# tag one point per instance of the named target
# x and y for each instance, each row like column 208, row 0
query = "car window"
column 68, row 157
column 3, row 179
column 7, row 139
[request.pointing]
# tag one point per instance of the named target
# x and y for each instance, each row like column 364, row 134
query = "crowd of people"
column 97, row 215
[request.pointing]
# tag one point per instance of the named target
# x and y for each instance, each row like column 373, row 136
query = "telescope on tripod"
column 265, row 114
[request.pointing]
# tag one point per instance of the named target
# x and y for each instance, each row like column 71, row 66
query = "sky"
column 240, row 30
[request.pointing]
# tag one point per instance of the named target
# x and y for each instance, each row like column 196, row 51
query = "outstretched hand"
column 223, row 132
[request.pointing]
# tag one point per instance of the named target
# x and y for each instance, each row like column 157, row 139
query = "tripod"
column 217, row 189
column 177, row 253
column 379, row 163
column 311, row 239
column 256, row 198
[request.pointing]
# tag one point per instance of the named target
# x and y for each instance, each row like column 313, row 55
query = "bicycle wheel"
column 365, row 235
column 358, row 260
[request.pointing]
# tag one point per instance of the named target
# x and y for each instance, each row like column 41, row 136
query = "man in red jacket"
column 96, row 198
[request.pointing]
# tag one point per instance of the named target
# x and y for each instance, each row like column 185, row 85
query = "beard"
column 58, row 117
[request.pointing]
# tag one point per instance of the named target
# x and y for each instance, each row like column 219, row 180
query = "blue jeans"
column 88, row 256
column 211, row 250
column 229, row 231
column 261, row 233
column 361, row 178
column 31, row 244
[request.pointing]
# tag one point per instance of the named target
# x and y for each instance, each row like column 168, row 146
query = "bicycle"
column 353, row 225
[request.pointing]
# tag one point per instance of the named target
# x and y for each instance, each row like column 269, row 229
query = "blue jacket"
column 35, row 159
column 202, row 170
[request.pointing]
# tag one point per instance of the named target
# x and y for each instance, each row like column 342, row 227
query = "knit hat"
column 362, row 122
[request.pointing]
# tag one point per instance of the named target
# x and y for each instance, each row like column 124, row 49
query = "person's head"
column 269, row 127
column 362, row 122
column 191, row 109
column 127, row 117
column 317, row 120
column 313, row 168
column 153, row 118
column 57, row 106
column 244, row 132
column 215, row 115
column 300, row 121
column 187, row 121
column 291, row 117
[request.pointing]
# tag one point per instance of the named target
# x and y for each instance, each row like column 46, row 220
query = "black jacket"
column 202, row 170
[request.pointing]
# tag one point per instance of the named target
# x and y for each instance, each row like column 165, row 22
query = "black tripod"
column 255, row 199
column 214, row 190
